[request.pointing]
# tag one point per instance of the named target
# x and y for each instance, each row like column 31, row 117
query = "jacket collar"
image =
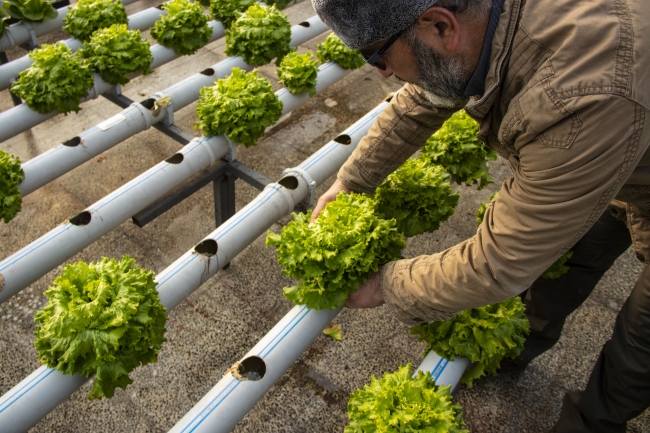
column 501, row 45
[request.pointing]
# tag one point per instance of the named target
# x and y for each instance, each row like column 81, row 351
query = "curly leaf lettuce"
column 103, row 319
column 88, row 16
column 333, row 50
column 241, row 106
column 418, row 195
column 57, row 80
column 184, row 28
column 338, row 252
column 484, row 335
column 298, row 72
column 400, row 403
column 557, row 269
column 4, row 17
column 227, row 11
column 480, row 213
column 261, row 34
column 455, row 147
column 11, row 175
column 30, row 10
column 116, row 52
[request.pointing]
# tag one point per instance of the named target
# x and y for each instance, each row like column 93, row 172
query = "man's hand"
column 328, row 196
column 368, row 295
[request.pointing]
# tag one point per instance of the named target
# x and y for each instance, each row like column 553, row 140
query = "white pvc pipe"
column 229, row 401
column 138, row 21
column 32, row 262
column 19, row 33
column 19, row 409
column 21, row 118
column 444, row 371
column 59, row 160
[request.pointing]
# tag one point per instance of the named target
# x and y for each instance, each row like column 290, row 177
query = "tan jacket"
column 566, row 104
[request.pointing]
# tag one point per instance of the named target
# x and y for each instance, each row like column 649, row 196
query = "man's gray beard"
column 443, row 79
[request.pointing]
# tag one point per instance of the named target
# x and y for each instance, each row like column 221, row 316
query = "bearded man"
column 561, row 90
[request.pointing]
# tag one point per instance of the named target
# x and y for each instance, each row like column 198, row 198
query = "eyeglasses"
column 376, row 60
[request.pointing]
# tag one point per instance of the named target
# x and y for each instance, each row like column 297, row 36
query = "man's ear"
column 439, row 27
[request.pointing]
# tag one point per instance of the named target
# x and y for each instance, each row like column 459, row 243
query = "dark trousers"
column 619, row 386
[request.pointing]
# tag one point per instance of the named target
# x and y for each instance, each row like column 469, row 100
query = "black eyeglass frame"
column 374, row 59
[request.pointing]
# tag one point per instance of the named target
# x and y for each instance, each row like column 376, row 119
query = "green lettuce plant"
column 227, row 11
column 400, row 403
column 87, row 16
column 281, row 4
column 241, row 106
column 184, row 28
column 30, row 10
column 11, row 175
column 261, row 34
column 57, row 80
column 480, row 213
column 103, row 319
column 484, row 335
column 333, row 50
column 116, row 52
column 298, row 72
column 418, row 195
column 4, row 17
column 455, row 147
column 556, row 270
column 338, row 252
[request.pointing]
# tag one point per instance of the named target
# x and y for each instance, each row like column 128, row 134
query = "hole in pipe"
column 72, row 142
column 252, row 368
column 207, row 247
column 389, row 98
column 176, row 158
column 305, row 24
column 160, row 7
column 209, row 72
column 82, row 219
column 289, row 182
column 343, row 139
column 148, row 103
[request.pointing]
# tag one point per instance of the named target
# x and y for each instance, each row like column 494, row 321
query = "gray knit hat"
column 359, row 23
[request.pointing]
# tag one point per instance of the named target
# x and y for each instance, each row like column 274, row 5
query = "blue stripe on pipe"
column 439, row 368
column 25, row 388
column 280, row 336
column 325, row 151
column 53, row 234
column 227, row 226
column 302, row 313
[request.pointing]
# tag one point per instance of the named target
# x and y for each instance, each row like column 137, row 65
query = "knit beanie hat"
column 359, row 23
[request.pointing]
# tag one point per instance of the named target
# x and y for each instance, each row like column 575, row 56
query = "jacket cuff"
column 394, row 286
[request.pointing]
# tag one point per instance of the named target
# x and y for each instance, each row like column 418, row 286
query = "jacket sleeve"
column 399, row 131
column 564, row 178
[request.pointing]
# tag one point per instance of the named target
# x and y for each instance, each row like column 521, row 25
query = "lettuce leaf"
column 455, row 147
column 184, row 28
column 88, row 16
column 11, row 175
column 484, row 335
column 418, row 195
column 227, row 11
column 338, row 252
column 261, row 34
column 298, row 72
column 480, row 213
column 57, row 80
column 116, row 52
column 333, row 50
column 30, row 10
column 103, row 319
column 4, row 17
column 557, row 269
column 399, row 403
column 241, row 106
